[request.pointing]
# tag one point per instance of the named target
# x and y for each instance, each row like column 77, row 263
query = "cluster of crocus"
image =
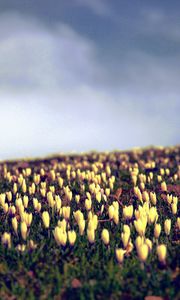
column 77, row 198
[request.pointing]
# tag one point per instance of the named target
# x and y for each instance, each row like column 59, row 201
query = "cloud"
column 160, row 22
column 99, row 7
column 32, row 56
column 30, row 126
column 55, row 95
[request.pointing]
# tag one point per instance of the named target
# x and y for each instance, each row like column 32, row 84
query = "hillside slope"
column 91, row 226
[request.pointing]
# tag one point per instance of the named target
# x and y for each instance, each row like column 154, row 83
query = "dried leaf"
column 118, row 193
column 76, row 283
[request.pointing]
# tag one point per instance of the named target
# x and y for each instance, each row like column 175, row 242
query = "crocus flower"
column 46, row 219
column 105, row 236
column 162, row 252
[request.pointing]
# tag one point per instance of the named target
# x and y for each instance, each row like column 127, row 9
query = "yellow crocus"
column 6, row 239
column 105, row 236
column 120, row 255
column 140, row 226
column 125, row 238
column 148, row 242
column 163, row 186
column 81, row 225
column 91, row 235
column 60, row 236
column 111, row 211
column 66, row 210
column 88, row 204
column 46, row 219
column 152, row 215
column 98, row 197
column 162, row 252
column 71, row 237
column 143, row 252
column 167, row 226
column 153, row 198
column 157, row 230
column 14, row 224
column 128, row 212
column 23, row 230
column 174, row 208
column 25, row 201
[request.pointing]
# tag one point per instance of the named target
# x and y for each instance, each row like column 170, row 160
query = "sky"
column 86, row 75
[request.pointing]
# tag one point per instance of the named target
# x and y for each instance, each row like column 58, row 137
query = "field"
column 91, row 226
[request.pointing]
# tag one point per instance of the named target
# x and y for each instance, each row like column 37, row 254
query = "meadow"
column 91, row 226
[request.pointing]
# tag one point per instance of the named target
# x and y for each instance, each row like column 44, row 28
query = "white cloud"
column 160, row 23
column 30, row 126
column 34, row 56
column 99, row 7
column 54, row 96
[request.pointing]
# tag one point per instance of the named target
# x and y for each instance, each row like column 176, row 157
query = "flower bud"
column 128, row 212
column 116, row 216
column 111, row 211
column 157, row 230
column 148, row 242
column 174, row 208
column 98, row 197
column 32, row 245
column 71, row 237
column 163, row 186
column 153, row 215
column 57, row 203
column 77, row 198
column 25, row 201
column 145, row 196
column 162, row 252
column 140, row 226
column 9, row 196
column 167, row 226
column 24, row 230
column 81, row 226
column 24, row 187
column 21, row 248
column 169, row 198
column 66, row 212
column 91, row 235
column 5, row 208
column 143, row 252
column 107, row 192
column 60, row 182
column 153, row 198
column 105, row 236
column 6, row 239
column 120, row 255
column 46, row 219
column 35, row 203
column 139, row 242
column 28, row 219
column 63, row 225
column 125, row 238
column 14, row 224
column 14, row 188
column 60, row 236
column 88, row 204
column 126, row 229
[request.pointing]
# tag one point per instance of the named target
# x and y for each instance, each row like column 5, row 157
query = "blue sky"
column 88, row 75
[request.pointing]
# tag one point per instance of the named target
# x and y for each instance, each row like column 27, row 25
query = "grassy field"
column 91, row 226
